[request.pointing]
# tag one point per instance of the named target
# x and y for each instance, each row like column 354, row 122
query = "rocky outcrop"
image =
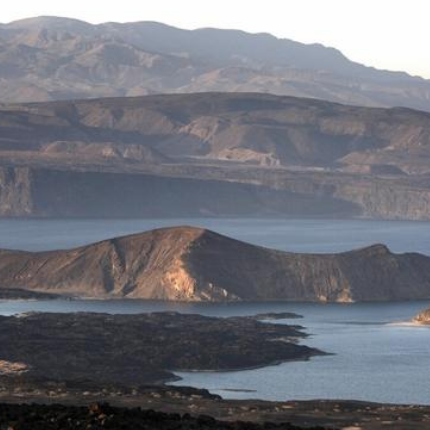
column 423, row 317
column 192, row 264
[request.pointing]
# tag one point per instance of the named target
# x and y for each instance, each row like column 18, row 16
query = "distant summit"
column 51, row 58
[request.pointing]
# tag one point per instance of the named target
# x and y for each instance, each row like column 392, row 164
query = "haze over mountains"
column 50, row 58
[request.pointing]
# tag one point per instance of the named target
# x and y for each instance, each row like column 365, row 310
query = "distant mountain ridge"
column 245, row 128
column 213, row 154
column 194, row 264
column 49, row 58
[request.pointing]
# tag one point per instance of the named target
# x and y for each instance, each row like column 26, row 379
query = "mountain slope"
column 251, row 129
column 193, row 264
column 49, row 58
column 213, row 154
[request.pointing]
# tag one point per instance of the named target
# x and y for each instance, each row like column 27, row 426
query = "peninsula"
column 134, row 350
column 194, row 264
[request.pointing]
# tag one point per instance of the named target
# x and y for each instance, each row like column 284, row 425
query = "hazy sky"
column 389, row 34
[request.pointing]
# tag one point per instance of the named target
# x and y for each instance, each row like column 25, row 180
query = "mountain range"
column 213, row 154
column 51, row 58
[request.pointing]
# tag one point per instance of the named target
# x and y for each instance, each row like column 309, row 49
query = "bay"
column 376, row 356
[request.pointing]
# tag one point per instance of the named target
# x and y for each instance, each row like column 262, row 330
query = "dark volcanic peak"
column 62, row 58
column 193, row 264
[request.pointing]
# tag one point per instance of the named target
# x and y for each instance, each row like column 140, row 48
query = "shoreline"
column 168, row 338
column 412, row 323
column 244, row 369
column 58, row 297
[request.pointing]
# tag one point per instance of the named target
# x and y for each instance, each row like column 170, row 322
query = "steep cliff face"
column 48, row 192
column 385, row 200
column 377, row 197
column 16, row 197
column 192, row 264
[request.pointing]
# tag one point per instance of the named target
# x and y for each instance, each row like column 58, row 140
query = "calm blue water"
column 374, row 359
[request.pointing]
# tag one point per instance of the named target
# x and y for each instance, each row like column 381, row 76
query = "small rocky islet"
column 423, row 318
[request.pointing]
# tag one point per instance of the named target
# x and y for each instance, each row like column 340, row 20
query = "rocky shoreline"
column 71, row 361
column 141, row 349
column 423, row 318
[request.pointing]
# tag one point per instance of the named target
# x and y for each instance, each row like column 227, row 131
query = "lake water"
column 376, row 357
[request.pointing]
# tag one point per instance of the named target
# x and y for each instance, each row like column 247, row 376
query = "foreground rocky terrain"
column 57, row 417
column 200, row 409
column 48, row 58
column 77, row 360
column 213, row 155
column 193, row 264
